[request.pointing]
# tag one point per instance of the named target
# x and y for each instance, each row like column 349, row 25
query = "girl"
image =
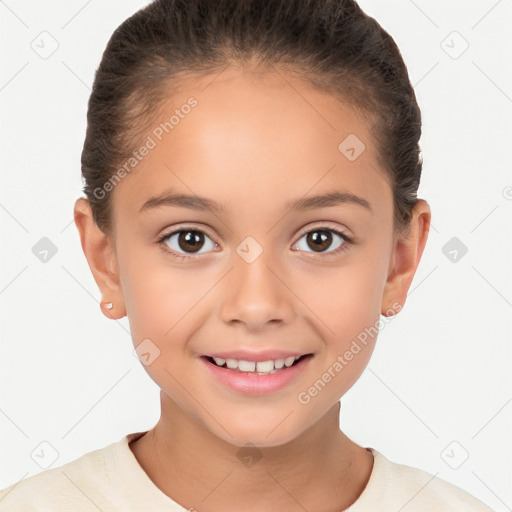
column 251, row 170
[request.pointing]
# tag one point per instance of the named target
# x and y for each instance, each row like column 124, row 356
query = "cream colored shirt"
column 110, row 479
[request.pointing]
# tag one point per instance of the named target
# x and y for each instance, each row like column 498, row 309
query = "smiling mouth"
column 268, row 367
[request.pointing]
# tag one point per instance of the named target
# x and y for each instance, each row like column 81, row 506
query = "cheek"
column 346, row 303
column 160, row 299
column 343, row 299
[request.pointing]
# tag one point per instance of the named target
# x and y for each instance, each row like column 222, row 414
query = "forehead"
column 243, row 136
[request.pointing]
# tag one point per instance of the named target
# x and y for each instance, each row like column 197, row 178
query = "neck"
column 197, row 469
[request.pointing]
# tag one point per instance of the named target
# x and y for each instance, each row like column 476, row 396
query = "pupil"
column 319, row 242
column 192, row 238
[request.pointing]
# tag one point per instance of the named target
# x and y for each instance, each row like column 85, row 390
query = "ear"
column 405, row 259
column 100, row 252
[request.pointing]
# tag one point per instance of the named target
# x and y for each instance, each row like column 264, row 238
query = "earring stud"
column 108, row 305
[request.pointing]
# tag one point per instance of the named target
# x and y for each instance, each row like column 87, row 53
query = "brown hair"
column 332, row 44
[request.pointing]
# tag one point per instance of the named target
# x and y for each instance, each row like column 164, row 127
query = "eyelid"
column 303, row 231
column 325, row 225
column 162, row 239
column 347, row 242
column 183, row 227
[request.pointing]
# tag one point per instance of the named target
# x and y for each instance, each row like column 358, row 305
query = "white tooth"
column 219, row 361
column 289, row 361
column 297, row 357
column 246, row 366
column 265, row 366
column 279, row 363
column 232, row 364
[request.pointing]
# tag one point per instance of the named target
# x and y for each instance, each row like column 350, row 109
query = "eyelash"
column 161, row 241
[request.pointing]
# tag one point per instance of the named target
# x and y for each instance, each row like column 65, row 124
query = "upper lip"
column 264, row 355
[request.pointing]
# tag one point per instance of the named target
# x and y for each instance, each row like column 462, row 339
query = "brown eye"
column 320, row 239
column 190, row 240
column 183, row 241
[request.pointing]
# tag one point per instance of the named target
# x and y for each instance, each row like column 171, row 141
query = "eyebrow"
column 333, row 198
column 193, row 202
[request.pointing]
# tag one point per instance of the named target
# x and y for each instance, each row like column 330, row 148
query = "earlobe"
column 100, row 254
column 405, row 259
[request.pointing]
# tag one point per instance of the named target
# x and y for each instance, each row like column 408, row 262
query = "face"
column 259, row 277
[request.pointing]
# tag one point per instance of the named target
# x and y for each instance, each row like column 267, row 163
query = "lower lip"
column 252, row 383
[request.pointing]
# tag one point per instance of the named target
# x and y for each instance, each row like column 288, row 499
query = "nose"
column 255, row 294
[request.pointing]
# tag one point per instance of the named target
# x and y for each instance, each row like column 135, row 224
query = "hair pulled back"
column 331, row 43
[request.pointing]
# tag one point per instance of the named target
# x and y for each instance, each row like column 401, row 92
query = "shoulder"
column 394, row 486
column 76, row 485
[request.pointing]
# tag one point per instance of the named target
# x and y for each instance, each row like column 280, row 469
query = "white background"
column 440, row 374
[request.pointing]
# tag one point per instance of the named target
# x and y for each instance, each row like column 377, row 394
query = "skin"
column 253, row 143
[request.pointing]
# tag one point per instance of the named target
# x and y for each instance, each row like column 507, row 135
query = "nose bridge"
column 254, row 294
